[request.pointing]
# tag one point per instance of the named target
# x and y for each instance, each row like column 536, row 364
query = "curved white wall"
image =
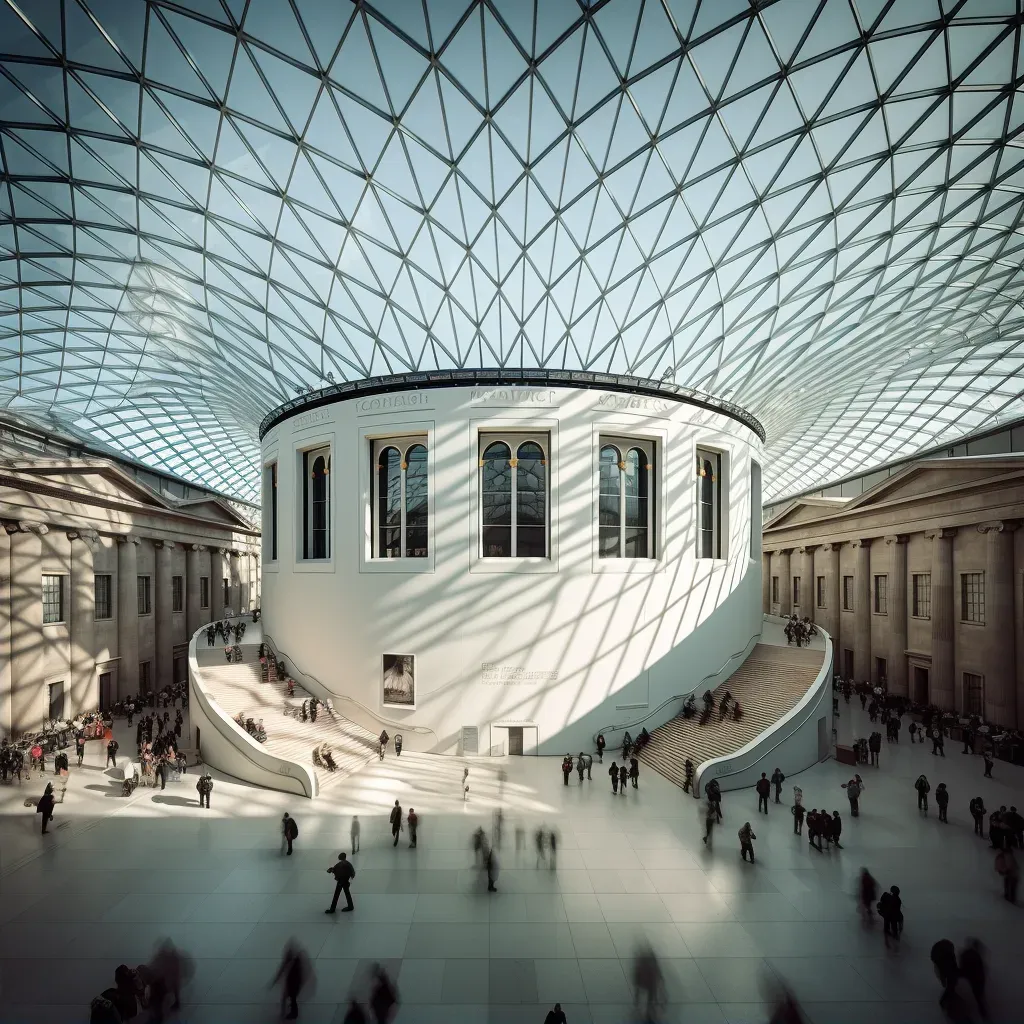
column 574, row 642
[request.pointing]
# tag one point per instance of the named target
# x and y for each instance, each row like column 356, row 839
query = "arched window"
column 709, row 505
column 316, row 471
column 513, row 496
column 625, row 506
column 400, row 498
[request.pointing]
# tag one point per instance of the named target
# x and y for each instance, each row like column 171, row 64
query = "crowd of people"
column 254, row 727
column 799, row 631
column 226, row 631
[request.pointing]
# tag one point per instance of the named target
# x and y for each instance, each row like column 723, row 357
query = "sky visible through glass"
column 810, row 208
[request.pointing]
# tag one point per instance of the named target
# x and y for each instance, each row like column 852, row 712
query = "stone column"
column 832, row 597
column 257, row 582
column 940, row 678
column 127, row 617
column 1000, row 642
column 5, row 627
column 28, row 702
column 193, row 570
column 785, row 584
column 808, row 583
column 897, row 654
column 235, row 575
column 862, row 611
column 766, row 582
column 84, row 695
column 163, row 623
column 218, row 571
column 1018, row 619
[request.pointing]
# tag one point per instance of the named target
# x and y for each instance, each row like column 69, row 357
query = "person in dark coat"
column 942, row 801
column 396, row 821
column 294, row 972
column 600, row 748
column 414, row 824
column 867, row 891
column 777, row 780
column 634, row 771
column 556, row 1015
column 973, row 971
column 978, row 812
column 922, row 787
column 798, row 819
column 688, row 780
column 837, row 829
column 623, row 774
column 289, row 832
column 112, row 752
column 764, row 789
column 567, row 769
column 890, row 908
column 613, row 774
column 384, row 997
column 344, row 875
column 944, row 961
column 45, row 806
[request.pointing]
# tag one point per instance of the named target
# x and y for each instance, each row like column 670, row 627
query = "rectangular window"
column 514, row 473
column 102, row 599
column 972, row 597
column 974, row 694
column 881, row 595
column 226, row 590
column 775, row 590
column 625, row 499
column 177, row 593
column 204, row 591
column 847, row 593
column 820, row 582
column 709, row 503
column 145, row 596
column 270, row 510
column 53, row 599
column 316, row 506
column 144, row 676
column 56, row 702
column 796, row 591
column 399, row 497
column 921, row 595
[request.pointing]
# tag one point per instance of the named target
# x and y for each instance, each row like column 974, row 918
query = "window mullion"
column 401, row 507
column 622, row 512
column 650, row 506
column 515, row 502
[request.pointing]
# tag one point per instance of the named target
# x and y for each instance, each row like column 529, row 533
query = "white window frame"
column 514, row 439
column 62, row 597
column 402, row 443
column 307, row 459
column 272, row 505
column 623, row 444
column 144, row 586
column 880, row 607
column 719, row 462
column 109, row 608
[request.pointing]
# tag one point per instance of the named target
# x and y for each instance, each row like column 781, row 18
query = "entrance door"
column 920, row 685
column 824, row 747
column 56, row 702
column 847, row 663
column 879, row 670
column 106, row 697
column 515, row 740
column 180, row 673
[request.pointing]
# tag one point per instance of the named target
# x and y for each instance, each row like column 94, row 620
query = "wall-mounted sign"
column 311, row 419
column 512, row 396
column 391, row 403
column 398, row 673
column 635, row 403
column 494, row 674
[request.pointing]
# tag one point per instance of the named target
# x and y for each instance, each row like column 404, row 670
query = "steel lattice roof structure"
column 809, row 208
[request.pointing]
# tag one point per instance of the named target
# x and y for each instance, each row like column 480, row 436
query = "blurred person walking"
column 396, row 821
column 975, row 973
column 294, row 974
column 384, row 997
column 648, row 982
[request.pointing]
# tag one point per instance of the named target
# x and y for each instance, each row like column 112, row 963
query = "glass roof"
column 810, row 208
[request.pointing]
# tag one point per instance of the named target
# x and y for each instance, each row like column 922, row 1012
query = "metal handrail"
column 680, row 696
column 421, row 730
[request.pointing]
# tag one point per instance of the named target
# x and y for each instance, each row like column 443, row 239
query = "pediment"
column 86, row 479
column 214, row 509
column 806, row 510
column 939, row 475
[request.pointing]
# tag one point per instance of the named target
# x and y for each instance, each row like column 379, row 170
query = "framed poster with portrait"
column 398, row 672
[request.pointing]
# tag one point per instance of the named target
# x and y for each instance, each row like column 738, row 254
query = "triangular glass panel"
column 560, row 69
column 355, row 68
column 296, row 90
column 554, row 18
column 274, row 23
column 504, row 62
column 211, row 49
column 86, row 44
column 402, row 66
column 326, row 22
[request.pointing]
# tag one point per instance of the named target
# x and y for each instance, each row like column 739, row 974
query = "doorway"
column 880, row 671
column 56, row 702
column 847, row 663
column 106, row 697
column 515, row 740
column 824, row 744
column 180, row 673
column 920, row 685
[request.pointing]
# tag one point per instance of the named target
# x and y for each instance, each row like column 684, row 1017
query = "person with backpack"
column 344, row 876
column 747, row 838
column 890, row 909
column 777, row 780
column 978, row 813
column 289, row 833
column 396, row 821
column 923, row 788
column 204, row 787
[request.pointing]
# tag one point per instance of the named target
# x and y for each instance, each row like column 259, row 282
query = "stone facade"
column 123, row 570
column 920, row 581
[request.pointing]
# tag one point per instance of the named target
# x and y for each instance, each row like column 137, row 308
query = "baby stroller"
column 130, row 781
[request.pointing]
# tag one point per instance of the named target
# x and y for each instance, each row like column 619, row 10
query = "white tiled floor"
column 123, row 873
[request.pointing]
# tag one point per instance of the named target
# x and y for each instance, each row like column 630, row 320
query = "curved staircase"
column 768, row 684
column 240, row 688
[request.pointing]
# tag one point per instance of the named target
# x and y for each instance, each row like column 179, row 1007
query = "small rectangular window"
column 881, row 595
column 921, row 600
column 145, row 596
column 204, row 591
column 625, row 512
column 104, row 607
column 177, row 593
column 53, row 599
column 972, row 597
column 270, row 512
column 145, row 681
column 796, row 591
column 974, row 694
column 514, row 474
column 709, row 503
column 821, row 591
column 775, row 590
column 399, row 497
column 226, row 590
column 316, row 495
column 847, row 593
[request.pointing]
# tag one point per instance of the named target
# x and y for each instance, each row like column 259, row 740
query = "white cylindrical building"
column 510, row 565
